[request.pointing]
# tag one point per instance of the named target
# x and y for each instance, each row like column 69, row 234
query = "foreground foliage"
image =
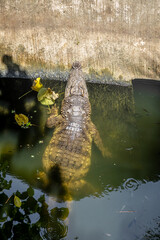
column 23, row 216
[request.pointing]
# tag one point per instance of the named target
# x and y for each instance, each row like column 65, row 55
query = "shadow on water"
column 33, row 219
column 10, row 84
column 147, row 102
column 13, row 85
column 14, row 82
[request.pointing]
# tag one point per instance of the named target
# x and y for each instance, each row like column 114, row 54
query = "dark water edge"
column 128, row 120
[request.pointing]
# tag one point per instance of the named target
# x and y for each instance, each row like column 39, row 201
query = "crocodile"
column 68, row 153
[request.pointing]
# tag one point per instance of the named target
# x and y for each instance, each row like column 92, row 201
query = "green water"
column 123, row 202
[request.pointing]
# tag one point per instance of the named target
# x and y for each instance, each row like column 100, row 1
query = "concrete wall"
column 116, row 38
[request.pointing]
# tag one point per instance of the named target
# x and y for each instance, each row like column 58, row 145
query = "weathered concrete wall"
column 120, row 39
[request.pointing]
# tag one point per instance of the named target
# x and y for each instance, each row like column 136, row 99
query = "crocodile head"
column 76, row 108
column 76, row 85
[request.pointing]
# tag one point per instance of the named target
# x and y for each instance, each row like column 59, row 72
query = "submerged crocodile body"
column 69, row 149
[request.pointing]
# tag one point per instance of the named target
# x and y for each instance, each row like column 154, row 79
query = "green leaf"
column 3, row 219
column 46, row 96
column 41, row 94
column 30, row 192
column 47, row 101
column 41, row 199
column 17, row 201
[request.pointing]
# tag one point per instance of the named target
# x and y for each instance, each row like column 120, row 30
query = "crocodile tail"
column 76, row 65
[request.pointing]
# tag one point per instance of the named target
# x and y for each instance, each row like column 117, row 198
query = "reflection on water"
column 122, row 198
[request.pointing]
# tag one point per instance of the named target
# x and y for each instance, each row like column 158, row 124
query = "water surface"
column 124, row 201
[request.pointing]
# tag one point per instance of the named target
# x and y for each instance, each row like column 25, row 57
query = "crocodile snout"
column 76, row 90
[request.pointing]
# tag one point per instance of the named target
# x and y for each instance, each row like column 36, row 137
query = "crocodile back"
column 70, row 150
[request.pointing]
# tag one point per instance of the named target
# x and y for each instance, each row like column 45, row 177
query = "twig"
column 25, row 94
column 8, row 199
column 60, row 93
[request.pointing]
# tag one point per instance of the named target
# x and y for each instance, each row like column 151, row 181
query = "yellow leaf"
column 17, row 201
column 21, row 119
column 37, row 85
